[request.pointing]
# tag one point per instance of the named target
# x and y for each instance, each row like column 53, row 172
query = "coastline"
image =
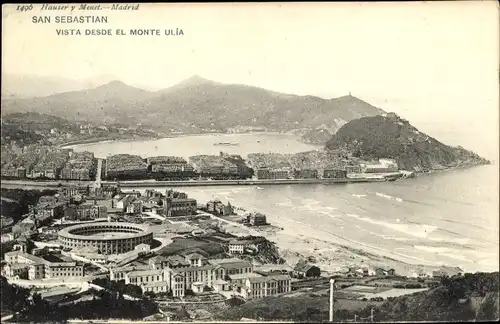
column 332, row 253
column 20, row 183
column 203, row 183
column 141, row 138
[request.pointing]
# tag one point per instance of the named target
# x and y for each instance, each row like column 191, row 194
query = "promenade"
column 32, row 184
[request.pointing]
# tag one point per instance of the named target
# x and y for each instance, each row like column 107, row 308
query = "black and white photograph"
column 250, row 162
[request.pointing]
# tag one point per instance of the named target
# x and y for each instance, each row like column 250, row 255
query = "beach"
column 444, row 218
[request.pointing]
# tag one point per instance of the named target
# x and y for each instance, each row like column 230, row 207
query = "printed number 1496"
column 24, row 7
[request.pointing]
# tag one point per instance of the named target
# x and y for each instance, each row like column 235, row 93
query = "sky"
column 435, row 63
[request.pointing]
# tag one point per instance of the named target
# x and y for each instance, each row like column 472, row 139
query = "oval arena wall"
column 84, row 235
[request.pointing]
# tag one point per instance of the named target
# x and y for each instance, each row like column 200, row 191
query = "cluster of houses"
column 41, row 161
column 170, row 204
column 368, row 271
column 45, row 265
column 196, row 273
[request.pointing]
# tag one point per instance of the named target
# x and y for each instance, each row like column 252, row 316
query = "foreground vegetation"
column 467, row 298
column 102, row 305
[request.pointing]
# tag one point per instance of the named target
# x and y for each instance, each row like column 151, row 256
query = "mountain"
column 110, row 102
column 208, row 104
column 388, row 136
column 197, row 104
column 316, row 136
column 28, row 86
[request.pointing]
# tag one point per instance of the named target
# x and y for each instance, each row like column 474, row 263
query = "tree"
column 488, row 311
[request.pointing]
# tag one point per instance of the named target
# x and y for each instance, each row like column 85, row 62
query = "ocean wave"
column 445, row 252
column 460, row 241
column 308, row 233
column 389, row 197
column 390, row 237
column 328, row 214
column 358, row 196
column 310, row 201
column 420, row 231
column 433, row 249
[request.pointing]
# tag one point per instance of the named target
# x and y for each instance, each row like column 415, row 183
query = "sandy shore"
column 331, row 253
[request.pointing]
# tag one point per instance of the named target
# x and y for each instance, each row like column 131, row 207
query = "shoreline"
column 194, row 183
column 19, row 183
column 332, row 253
column 140, row 138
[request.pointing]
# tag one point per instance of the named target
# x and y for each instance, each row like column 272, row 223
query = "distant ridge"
column 197, row 104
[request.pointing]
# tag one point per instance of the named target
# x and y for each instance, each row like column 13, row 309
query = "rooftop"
column 268, row 278
column 57, row 258
column 155, row 284
column 244, row 275
column 141, row 273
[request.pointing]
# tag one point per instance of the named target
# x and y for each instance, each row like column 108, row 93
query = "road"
column 38, row 184
column 97, row 182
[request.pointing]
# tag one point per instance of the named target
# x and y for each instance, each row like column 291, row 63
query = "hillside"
column 27, row 86
column 14, row 132
column 107, row 103
column 392, row 137
column 471, row 297
column 316, row 136
column 39, row 122
column 197, row 104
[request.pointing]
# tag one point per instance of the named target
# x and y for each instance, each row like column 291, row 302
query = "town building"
column 129, row 203
column 305, row 174
column 76, row 190
column 21, row 172
column 213, row 166
column 305, row 270
column 104, row 192
column 218, row 208
column 238, row 246
column 353, row 168
column 365, row 271
column 85, row 211
column 385, row 271
column 47, row 266
column 377, row 168
column 52, row 210
column 419, row 274
column 178, row 273
column 266, row 173
column 178, row 206
column 151, row 193
column 80, row 166
column 258, row 287
column 257, row 219
column 334, row 173
column 125, row 166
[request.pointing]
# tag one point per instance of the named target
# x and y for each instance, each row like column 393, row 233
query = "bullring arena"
column 108, row 238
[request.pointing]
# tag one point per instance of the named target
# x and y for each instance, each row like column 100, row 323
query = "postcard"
column 262, row 162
